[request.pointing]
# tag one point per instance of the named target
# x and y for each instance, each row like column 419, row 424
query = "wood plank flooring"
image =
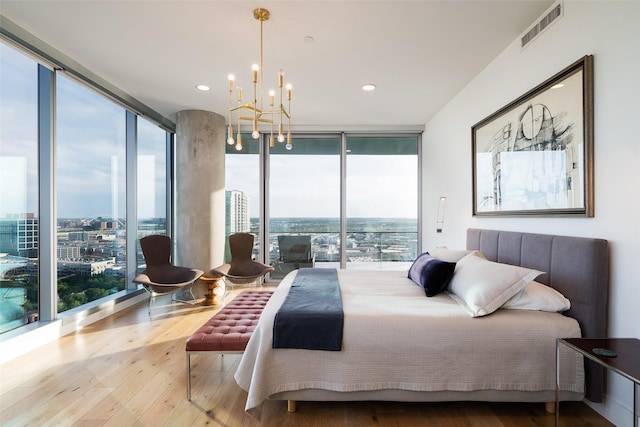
column 129, row 370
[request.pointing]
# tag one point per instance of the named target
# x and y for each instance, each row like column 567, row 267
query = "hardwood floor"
column 129, row 370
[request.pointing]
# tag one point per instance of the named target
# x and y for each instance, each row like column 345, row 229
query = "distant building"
column 68, row 252
column 80, row 236
column 85, row 268
column 19, row 235
column 115, row 271
column 237, row 212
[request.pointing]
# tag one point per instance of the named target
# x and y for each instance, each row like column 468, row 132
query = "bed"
column 399, row 345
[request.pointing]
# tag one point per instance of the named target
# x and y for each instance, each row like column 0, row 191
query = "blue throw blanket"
column 311, row 315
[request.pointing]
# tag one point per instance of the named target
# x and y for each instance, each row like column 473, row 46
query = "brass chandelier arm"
column 248, row 106
column 259, row 119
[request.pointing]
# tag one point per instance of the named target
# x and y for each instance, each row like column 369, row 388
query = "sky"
column 18, row 133
column 90, row 148
column 309, row 185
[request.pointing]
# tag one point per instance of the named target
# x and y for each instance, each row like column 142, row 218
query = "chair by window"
column 295, row 253
column 242, row 269
column 160, row 276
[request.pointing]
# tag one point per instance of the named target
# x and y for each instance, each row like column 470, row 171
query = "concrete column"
column 200, row 193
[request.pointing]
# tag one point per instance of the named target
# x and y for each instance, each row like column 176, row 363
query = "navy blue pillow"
column 431, row 274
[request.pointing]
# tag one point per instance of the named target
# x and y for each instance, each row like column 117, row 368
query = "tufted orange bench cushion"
column 230, row 329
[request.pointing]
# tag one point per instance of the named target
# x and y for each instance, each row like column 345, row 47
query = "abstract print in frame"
column 535, row 155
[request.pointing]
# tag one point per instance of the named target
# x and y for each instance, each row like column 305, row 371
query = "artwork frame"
column 526, row 161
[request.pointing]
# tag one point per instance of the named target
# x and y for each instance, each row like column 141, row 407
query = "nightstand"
column 625, row 361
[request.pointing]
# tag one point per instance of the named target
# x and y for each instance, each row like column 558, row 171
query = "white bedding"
column 396, row 338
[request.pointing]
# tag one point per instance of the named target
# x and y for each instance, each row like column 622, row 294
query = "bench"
column 229, row 330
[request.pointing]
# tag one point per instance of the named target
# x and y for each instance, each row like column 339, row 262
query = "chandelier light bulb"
column 288, row 146
column 239, row 139
column 255, row 134
column 280, row 78
column 281, row 138
column 230, row 139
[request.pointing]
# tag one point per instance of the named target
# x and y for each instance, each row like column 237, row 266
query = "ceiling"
column 419, row 53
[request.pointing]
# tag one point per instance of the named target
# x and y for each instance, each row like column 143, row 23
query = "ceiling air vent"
column 551, row 15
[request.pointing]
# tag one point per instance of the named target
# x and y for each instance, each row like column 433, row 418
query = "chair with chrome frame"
column 242, row 269
column 160, row 276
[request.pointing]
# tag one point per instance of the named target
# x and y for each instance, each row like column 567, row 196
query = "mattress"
column 395, row 338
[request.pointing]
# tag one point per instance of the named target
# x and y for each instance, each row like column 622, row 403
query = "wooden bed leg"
column 291, row 405
column 550, row 407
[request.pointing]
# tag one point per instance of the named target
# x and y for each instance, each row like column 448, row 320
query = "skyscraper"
column 19, row 235
column 237, row 212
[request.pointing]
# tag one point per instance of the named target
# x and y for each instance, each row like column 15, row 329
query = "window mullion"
column 131, row 132
column 47, row 274
column 343, row 200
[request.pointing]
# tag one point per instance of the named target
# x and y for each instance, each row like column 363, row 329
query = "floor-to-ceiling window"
column 382, row 201
column 304, row 204
column 91, row 194
column 152, row 189
column 72, row 157
column 242, row 191
column 336, row 200
column 18, row 189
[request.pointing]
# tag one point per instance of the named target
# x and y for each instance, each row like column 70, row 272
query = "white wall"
column 609, row 31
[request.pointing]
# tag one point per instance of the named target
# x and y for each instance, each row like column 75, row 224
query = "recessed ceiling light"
column 368, row 87
column 203, row 88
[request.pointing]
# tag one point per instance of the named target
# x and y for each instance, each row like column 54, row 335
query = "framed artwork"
column 535, row 155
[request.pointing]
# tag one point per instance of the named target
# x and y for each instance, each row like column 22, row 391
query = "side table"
column 625, row 363
column 210, row 298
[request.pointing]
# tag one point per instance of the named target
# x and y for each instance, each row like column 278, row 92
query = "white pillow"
column 536, row 296
column 483, row 286
column 449, row 255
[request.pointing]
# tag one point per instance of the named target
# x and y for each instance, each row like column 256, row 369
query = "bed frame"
column 577, row 267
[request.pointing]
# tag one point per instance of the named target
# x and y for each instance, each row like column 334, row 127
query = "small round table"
column 214, row 289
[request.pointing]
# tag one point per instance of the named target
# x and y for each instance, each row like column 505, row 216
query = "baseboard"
column 614, row 411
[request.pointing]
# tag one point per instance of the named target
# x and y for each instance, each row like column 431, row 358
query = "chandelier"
column 254, row 111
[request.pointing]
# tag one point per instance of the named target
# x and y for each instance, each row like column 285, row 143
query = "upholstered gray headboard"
column 578, row 267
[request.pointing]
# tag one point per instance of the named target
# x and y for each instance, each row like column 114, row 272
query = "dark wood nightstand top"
column 627, row 363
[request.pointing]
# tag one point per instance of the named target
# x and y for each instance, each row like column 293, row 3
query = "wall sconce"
column 440, row 218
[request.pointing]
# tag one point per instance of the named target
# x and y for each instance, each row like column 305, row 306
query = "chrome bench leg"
column 188, row 376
